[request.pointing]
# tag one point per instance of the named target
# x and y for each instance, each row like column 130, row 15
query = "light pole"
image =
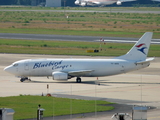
column 64, row 6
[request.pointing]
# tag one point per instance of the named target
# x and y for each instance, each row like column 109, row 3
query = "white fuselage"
column 45, row 67
column 64, row 69
column 100, row 2
column 95, row 2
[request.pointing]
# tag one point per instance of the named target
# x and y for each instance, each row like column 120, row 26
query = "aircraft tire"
column 78, row 80
column 22, row 79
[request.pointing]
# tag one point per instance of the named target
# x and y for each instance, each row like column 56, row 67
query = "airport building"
column 34, row 2
column 47, row 3
column 53, row 3
column 38, row 2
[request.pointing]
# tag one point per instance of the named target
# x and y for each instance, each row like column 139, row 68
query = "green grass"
column 68, row 47
column 86, row 23
column 26, row 106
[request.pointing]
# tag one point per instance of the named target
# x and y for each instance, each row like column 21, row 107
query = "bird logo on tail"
column 141, row 47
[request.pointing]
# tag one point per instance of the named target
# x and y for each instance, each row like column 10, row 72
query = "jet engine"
column 119, row 3
column 77, row 2
column 59, row 76
column 83, row 3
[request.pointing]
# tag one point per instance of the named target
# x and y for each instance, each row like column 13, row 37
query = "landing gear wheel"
column 23, row 79
column 78, row 80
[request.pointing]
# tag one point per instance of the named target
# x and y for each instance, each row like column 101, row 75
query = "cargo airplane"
column 64, row 69
column 100, row 2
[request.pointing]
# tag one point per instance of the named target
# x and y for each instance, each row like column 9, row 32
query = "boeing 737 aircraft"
column 64, row 69
column 100, row 2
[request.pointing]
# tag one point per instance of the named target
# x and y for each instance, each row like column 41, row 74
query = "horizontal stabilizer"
column 79, row 72
column 145, row 61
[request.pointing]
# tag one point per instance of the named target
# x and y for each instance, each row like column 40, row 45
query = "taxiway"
column 92, row 11
column 135, row 88
column 70, row 38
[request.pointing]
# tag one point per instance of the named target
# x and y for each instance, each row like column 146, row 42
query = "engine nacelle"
column 77, row 2
column 59, row 76
column 83, row 3
column 119, row 3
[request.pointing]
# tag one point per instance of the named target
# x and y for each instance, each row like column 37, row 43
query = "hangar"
column 53, row 3
column 47, row 3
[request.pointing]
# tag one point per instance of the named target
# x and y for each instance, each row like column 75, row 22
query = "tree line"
column 15, row 2
column 19, row 2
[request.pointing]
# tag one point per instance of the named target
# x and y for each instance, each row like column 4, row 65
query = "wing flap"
column 145, row 61
column 79, row 72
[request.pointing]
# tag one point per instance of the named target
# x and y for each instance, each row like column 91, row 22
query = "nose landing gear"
column 24, row 79
column 78, row 80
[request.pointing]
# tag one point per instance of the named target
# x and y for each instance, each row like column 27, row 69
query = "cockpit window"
column 15, row 64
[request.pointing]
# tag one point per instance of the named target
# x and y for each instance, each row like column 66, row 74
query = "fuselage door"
column 26, row 66
column 118, row 67
column 122, row 68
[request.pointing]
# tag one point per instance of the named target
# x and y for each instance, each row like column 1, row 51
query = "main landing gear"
column 78, row 80
column 24, row 79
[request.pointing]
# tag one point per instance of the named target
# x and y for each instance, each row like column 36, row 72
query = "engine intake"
column 59, row 76
column 77, row 2
column 83, row 4
column 119, row 3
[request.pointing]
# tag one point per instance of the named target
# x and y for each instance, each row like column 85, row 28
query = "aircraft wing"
column 96, row 2
column 145, row 61
column 126, row 0
column 79, row 72
column 93, row 3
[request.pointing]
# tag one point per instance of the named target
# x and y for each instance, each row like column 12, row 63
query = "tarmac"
column 135, row 88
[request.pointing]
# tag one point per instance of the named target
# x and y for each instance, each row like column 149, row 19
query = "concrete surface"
column 136, row 88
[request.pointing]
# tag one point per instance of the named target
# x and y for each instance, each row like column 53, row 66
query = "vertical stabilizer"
column 140, row 50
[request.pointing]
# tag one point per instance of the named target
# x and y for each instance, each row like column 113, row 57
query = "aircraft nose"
column 8, row 69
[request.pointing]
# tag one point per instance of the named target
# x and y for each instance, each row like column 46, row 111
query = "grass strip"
column 26, row 106
column 68, row 47
column 87, row 24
